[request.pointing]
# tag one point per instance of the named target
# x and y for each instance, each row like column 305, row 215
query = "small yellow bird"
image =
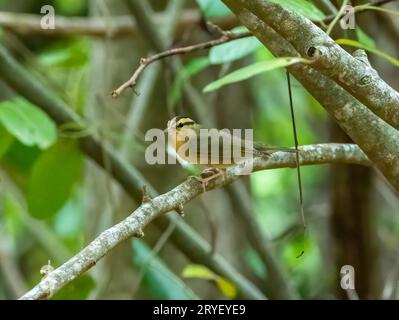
column 185, row 138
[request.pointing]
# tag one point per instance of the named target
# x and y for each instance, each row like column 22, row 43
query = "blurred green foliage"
column 27, row 123
column 78, row 289
column 53, row 177
column 158, row 280
column 197, row 271
column 45, row 170
column 211, row 8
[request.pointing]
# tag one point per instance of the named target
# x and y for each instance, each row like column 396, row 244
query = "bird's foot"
column 208, row 175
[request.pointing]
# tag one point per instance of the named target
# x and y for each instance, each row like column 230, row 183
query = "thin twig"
column 358, row 10
column 145, row 62
column 146, row 87
column 156, row 39
column 298, row 169
column 337, row 17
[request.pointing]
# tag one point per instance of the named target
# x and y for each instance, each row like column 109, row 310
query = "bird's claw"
column 207, row 175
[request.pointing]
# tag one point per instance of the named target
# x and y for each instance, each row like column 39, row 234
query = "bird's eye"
column 180, row 125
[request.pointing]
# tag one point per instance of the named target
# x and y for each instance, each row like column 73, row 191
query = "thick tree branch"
column 377, row 139
column 134, row 224
column 357, row 77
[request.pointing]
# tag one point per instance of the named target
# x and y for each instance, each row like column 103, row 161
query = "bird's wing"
column 220, row 149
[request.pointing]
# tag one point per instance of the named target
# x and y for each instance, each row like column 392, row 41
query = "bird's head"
column 179, row 123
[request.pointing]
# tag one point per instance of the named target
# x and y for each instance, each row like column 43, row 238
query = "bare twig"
column 145, row 62
column 139, row 104
column 337, row 17
column 144, row 17
column 358, row 10
column 180, row 195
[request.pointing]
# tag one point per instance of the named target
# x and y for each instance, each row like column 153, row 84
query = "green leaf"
column 69, row 220
column 27, row 123
column 365, row 39
column 234, row 50
column 198, row 271
column 226, row 288
column 66, row 54
column 253, row 70
column 353, row 43
column 158, row 279
column 78, row 289
column 70, row 7
column 213, row 8
column 6, row 140
column 21, row 156
column 53, row 177
column 201, row 272
column 253, row 260
column 303, row 7
column 188, row 70
column 305, row 265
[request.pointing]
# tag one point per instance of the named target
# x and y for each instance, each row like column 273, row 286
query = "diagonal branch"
column 193, row 245
column 134, row 224
column 143, row 15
